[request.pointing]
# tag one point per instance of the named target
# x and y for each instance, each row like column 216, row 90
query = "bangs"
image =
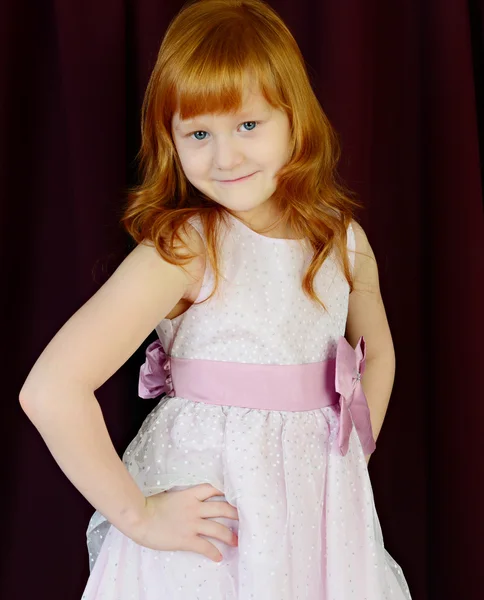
column 214, row 53
column 216, row 76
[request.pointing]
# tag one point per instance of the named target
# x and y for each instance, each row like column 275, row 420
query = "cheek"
column 274, row 150
column 285, row 150
column 194, row 164
column 277, row 154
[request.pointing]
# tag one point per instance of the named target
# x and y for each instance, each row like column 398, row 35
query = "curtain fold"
column 402, row 82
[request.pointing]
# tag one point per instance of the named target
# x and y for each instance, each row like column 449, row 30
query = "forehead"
column 250, row 101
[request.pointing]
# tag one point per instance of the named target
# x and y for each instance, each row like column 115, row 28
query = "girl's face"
column 233, row 158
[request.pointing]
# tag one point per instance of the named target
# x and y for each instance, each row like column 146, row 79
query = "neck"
column 262, row 218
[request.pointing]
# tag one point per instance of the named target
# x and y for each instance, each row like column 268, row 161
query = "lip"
column 244, row 178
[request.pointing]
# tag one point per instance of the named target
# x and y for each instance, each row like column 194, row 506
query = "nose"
column 227, row 155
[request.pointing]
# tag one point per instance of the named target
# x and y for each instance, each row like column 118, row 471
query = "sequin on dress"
column 308, row 529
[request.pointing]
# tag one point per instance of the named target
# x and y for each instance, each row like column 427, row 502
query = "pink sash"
column 268, row 387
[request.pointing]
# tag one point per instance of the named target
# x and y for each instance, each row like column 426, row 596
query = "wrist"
column 132, row 519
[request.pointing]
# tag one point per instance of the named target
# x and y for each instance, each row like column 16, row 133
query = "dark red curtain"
column 402, row 83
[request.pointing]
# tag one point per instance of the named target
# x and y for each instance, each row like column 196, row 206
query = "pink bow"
column 350, row 366
column 154, row 375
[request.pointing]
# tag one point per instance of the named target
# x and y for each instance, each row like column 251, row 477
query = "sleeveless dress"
column 263, row 400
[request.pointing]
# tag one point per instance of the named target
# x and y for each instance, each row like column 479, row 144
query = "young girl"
column 248, row 480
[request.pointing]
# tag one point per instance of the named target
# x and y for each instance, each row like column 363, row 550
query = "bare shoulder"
column 189, row 240
column 188, row 243
column 112, row 324
column 366, row 268
column 366, row 311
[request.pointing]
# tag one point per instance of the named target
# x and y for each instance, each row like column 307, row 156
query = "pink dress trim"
column 303, row 387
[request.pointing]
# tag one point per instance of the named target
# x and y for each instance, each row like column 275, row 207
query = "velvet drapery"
column 402, row 82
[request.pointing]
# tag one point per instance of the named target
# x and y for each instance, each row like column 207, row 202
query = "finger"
column 206, row 548
column 205, row 491
column 217, row 531
column 213, row 510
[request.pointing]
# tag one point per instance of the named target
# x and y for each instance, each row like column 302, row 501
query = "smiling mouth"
column 236, row 180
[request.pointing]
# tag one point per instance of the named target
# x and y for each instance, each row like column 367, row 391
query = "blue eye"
column 252, row 123
column 198, row 138
column 250, row 126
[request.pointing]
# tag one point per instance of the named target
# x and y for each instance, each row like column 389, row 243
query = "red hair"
column 202, row 67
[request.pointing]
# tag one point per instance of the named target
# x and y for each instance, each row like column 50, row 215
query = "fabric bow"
column 154, row 376
column 350, row 366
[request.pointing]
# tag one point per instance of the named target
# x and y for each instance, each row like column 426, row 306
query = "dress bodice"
column 260, row 313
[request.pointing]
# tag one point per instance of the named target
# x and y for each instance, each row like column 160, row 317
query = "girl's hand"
column 175, row 520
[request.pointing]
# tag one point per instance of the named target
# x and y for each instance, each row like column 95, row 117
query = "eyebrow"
column 185, row 124
column 238, row 116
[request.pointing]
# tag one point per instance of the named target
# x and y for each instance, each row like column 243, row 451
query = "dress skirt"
column 307, row 528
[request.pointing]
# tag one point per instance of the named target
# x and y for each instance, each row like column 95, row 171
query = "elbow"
column 41, row 397
column 33, row 394
column 23, row 395
column 26, row 399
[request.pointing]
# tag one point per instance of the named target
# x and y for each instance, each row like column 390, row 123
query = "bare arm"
column 367, row 317
column 58, row 394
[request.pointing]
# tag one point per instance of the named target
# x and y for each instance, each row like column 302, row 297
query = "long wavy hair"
column 202, row 66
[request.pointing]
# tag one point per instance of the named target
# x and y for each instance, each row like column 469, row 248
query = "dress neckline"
column 264, row 237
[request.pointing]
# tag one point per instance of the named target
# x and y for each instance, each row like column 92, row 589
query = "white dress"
column 308, row 529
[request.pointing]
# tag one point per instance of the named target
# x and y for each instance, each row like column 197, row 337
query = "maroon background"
column 402, row 82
